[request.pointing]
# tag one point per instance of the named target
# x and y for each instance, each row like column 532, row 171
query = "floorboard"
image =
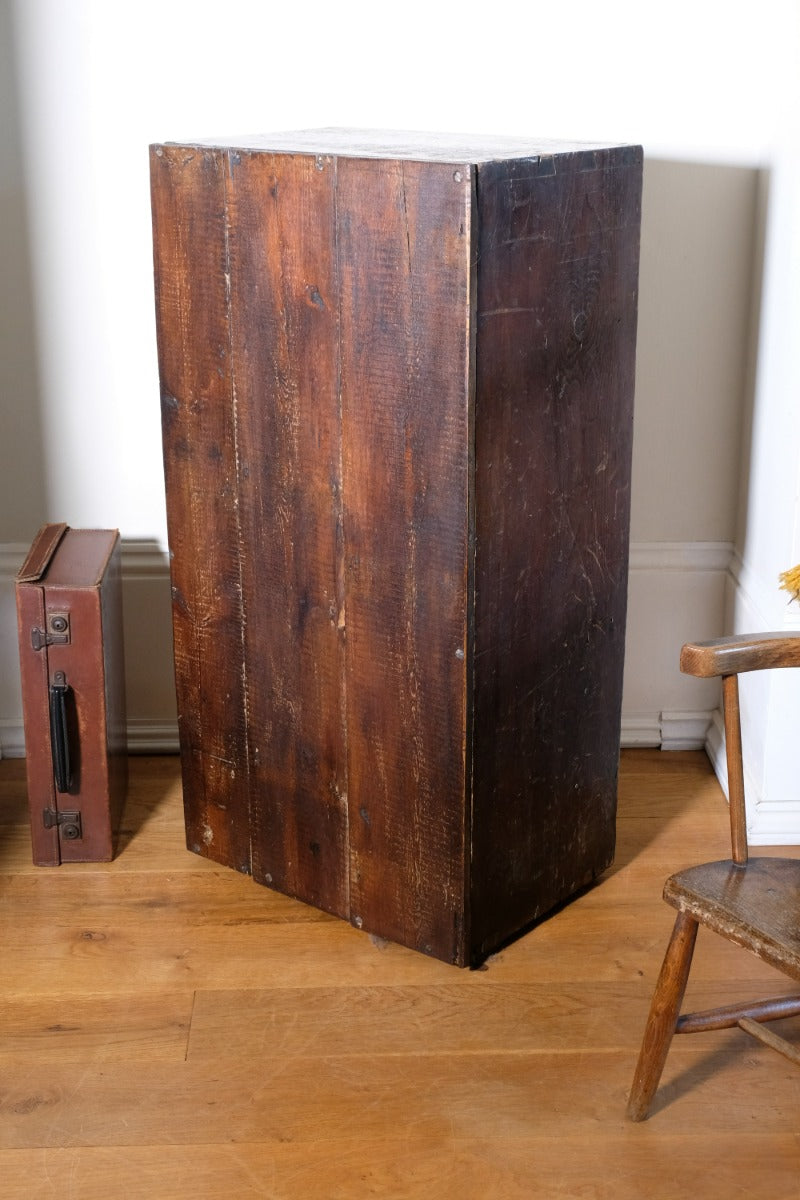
column 169, row 1029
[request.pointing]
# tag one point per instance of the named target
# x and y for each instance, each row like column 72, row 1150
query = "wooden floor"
column 169, row 1029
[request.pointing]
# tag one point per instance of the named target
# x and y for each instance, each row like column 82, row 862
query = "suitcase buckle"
column 56, row 634
column 67, row 822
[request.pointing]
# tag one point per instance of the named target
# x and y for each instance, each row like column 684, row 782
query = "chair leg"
column 664, row 1013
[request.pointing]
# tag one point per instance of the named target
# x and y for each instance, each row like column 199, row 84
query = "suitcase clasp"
column 57, row 633
column 67, row 822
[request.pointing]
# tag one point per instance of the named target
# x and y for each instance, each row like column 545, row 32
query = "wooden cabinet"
column 397, row 378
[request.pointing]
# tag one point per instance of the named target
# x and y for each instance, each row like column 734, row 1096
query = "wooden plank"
column 191, row 268
column 404, row 252
column 313, row 1100
column 556, row 325
column 284, row 313
column 205, row 896
column 614, row 1166
column 96, row 1029
column 441, row 1018
column 84, row 952
column 211, row 930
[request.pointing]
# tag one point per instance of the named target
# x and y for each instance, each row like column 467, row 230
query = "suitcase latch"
column 68, row 823
column 56, row 634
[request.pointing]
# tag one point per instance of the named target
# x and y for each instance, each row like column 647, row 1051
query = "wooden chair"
column 754, row 903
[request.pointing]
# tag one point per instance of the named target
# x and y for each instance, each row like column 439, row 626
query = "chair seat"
column 757, row 906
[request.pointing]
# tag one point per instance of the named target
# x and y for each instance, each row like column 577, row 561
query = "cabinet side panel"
column 284, row 327
column 190, row 260
column 556, row 327
column 403, row 233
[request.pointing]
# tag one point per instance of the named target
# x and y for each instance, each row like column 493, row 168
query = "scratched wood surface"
column 405, row 255
column 396, row 396
column 283, row 305
column 169, row 1029
column 194, row 352
column 556, row 334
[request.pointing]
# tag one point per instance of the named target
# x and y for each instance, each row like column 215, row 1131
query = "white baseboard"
column 769, row 822
column 144, row 737
column 641, row 730
column 665, row 730
column 681, row 556
column 152, row 737
column 12, row 739
column 684, row 730
column 775, row 824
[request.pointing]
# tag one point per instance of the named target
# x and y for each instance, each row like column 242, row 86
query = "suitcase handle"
column 59, row 732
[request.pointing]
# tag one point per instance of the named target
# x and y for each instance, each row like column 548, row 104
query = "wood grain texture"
column 404, row 249
column 663, row 1019
column 756, row 906
column 420, row 416
column 135, row 1062
column 283, row 301
column 556, row 325
column 435, row 1095
column 603, row 1166
column 194, row 351
column 744, row 652
column 732, row 721
column 753, row 904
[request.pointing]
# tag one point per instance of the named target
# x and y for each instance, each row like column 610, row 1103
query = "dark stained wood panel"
column 284, row 339
column 556, row 325
column 397, row 400
column 190, row 255
column 404, row 252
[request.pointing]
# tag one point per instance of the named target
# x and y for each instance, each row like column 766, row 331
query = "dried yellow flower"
column 790, row 581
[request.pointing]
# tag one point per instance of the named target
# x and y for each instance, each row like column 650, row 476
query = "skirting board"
column 664, row 575
column 144, row 737
column 667, row 730
column 768, row 823
column 773, row 822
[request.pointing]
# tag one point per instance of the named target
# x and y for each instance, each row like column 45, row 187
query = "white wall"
column 768, row 528
column 709, row 88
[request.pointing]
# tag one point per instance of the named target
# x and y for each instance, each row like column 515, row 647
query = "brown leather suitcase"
column 69, row 614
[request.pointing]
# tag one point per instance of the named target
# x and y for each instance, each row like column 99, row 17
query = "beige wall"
column 696, row 282
column 22, row 482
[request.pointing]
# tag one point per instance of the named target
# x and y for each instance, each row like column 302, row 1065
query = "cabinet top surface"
column 400, row 144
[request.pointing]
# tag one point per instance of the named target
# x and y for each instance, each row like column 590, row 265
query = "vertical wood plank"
column 404, row 246
column 733, row 754
column 558, row 254
column 190, row 260
column 284, row 322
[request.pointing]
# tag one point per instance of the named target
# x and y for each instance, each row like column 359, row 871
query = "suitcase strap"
column 59, row 732
column 44, row 547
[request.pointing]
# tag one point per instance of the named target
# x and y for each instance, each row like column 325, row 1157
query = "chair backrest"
column 727, row 658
